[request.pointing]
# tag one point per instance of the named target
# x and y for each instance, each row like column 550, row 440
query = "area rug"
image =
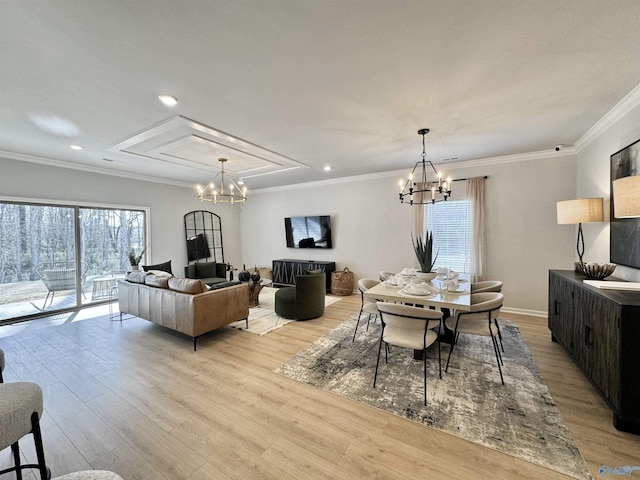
column 519, row 418
column 263, row 319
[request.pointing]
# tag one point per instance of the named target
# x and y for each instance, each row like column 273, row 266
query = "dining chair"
column 366, row 306
column 21, row 407
column 489, row 286
column 479, row 320
column 384, row 275
column 409, row 327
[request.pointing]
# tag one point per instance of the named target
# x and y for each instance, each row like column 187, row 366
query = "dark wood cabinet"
column 285, row 271
column 600, row 330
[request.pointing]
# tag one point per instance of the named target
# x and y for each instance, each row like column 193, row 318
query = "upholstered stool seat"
column 90, row 475
column 21, row 406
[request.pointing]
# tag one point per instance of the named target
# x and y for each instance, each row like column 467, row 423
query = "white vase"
column 135, row 268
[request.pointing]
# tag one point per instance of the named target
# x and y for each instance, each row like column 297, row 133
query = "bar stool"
column 20, row 411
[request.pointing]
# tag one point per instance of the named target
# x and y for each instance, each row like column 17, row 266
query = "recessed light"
column 327, row 168
column 168, row 100
column 75, row 147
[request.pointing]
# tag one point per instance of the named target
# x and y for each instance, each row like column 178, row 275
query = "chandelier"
column 418, row 189
column 228, row 191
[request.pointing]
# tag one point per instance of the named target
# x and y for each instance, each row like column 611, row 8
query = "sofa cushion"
column 159, row 281
column 136, row 276
column 205, row 270
column 165, row 267
column 160, row 273
column 216, row 286
column 187, row 285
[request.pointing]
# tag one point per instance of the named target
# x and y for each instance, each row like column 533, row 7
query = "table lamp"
column 581, row 210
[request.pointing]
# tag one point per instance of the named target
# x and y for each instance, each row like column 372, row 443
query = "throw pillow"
column 159, row 281
column 136, row 277
column 206, row 270
column 160, row 273
column 187, row 285
column 165, row 267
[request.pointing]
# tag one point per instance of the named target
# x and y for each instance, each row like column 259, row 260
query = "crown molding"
column 624, row 106
column 520, row 157
column 86, row 168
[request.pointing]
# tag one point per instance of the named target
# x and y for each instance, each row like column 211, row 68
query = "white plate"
column 428, row 293
column 459, row 291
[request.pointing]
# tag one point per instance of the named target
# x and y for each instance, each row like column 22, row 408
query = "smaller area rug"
column 519, row 418
column 263, row 319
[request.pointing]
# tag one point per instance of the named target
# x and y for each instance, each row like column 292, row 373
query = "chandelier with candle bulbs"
column 222, row 190
column 425, row 184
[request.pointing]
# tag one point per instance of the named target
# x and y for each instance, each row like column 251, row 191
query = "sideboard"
column 600, row 330
column 285, row 271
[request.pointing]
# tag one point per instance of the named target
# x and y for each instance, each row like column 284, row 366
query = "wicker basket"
column 342, row 282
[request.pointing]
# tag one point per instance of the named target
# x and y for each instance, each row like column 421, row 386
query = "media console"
column 285, row 271
column 600, row 330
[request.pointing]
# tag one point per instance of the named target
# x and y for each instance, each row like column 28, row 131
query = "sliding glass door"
column 58, row 257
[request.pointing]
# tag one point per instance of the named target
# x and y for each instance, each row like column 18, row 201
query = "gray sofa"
column 185, row 305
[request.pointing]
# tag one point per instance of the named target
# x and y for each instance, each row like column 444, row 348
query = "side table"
column 254, row 291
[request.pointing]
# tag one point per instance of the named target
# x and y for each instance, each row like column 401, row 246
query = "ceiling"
column 283, row 88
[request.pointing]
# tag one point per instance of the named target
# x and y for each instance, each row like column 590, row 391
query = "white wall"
column 593, row 180
column 372, row 229
column 168, row 204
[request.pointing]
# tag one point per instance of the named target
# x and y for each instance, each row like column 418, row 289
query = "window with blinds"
column 450, row 223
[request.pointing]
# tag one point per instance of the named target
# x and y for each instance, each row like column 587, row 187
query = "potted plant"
column 134, row 259
column 424, row 253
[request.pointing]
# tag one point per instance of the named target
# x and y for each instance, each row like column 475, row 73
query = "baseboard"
column 523, row 311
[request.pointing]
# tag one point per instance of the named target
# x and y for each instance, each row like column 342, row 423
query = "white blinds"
column 450, row 223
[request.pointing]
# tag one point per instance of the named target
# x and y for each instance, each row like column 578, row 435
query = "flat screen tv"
column 308, row 232
column 197, row 247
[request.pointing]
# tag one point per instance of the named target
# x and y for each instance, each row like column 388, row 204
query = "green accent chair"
column 305, row 300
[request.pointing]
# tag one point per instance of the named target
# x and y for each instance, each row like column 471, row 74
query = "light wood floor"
column 135, row 399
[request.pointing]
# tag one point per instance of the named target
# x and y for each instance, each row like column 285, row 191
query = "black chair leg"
column 15, row 448
column 453, row 344
column 424, row 362
column 37, row 438
column 496, row 350
column 499, row 334
column 357, row 324
column 375, row 376
column 439, row 359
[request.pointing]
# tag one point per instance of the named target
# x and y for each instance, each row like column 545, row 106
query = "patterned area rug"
column 519, row 418
column 262, row 319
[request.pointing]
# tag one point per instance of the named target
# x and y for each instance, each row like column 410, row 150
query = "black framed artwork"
column 625, row 232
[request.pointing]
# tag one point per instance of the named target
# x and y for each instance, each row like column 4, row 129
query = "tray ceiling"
column 187, row 143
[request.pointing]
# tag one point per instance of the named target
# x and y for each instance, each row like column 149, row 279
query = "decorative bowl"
column 425, row 276
column 596, row 271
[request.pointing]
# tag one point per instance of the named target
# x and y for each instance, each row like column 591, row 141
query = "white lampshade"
column 626, row 197
column 581, row 210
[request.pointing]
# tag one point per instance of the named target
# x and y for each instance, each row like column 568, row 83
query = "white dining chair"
column 479, row 320
column 409, row 327
column 489, row 286
column 366, row 306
